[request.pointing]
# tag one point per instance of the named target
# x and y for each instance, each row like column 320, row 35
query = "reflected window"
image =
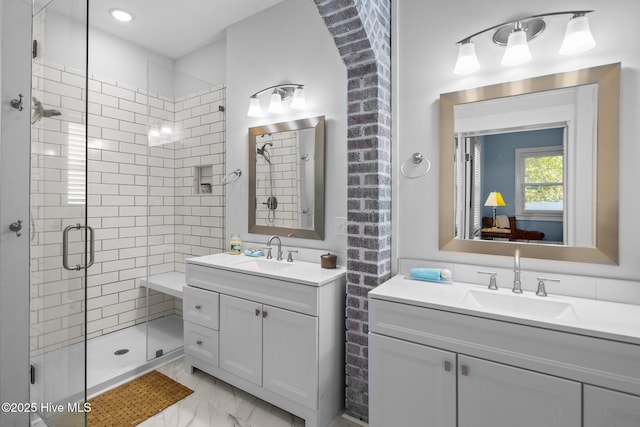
column 540, row 182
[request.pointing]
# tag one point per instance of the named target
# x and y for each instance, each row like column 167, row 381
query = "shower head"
column 264, row 153
column 39, row 111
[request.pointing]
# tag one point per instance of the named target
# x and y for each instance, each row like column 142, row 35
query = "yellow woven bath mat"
column 133, row 402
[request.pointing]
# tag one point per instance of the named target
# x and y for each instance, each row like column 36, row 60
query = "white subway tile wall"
column 280, row 178
column 142, row 152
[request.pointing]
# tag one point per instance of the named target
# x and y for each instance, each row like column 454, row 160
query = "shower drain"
column 121, row 351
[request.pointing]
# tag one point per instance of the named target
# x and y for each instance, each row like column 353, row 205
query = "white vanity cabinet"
column 493, row 394
column 437, row 365
column 417, row 385
column 410, row 384
column 279, row 338
column 269, row 346
column 608, row 408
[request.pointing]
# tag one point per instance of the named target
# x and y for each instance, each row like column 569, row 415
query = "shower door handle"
column 65, row 247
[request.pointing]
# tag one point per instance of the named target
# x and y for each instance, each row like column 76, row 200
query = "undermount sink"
column 521, row 304
column 264, row 265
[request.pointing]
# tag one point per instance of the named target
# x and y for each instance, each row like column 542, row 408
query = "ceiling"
column 172, row 28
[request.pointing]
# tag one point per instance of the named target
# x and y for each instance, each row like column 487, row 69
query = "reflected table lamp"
column 494, row 200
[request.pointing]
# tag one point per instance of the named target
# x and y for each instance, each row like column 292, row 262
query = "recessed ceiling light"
column 121, row 15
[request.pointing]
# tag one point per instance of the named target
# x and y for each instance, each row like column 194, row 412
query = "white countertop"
column 306, row 273
column 602, row 319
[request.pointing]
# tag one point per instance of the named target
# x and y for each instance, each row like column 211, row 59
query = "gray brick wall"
column 361, row 30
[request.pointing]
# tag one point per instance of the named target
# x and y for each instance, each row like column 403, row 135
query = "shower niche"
column 202, row 181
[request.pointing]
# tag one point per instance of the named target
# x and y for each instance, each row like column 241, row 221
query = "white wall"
column 424, row 56
column 110, row 57
column 15, row 78
column 287, row 43
column 206, row 64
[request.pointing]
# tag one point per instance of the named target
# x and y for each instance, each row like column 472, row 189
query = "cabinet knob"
column 257, row 312
column 264, row 314
column 464, row 370
column 447, row 366
column 199, row 342
column 198, row 307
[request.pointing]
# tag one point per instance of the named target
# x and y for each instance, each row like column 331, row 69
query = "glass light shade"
column 578, row 37
column 467, row 62
column 275, row 105
column 254, row 107
column 517, row 49
column 299, row 101
column 121, row 15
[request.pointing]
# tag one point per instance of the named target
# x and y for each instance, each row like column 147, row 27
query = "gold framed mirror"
column 286, row 178
column 604, row 247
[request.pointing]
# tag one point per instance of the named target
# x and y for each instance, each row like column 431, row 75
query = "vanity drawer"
column 200, row 306
column 201, row 343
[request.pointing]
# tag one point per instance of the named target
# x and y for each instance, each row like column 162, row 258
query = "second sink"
column 520, row 304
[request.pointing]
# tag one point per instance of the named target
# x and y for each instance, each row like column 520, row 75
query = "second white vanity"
column 272, row 328
column 462, row 355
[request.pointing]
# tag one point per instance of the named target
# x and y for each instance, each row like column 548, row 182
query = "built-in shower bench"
column 167, row 283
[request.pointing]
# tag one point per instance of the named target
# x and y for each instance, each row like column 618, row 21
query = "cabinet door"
column 491, row 394
column 290, row 355
column 410, row 384
column 241, row 338
column 606, row 408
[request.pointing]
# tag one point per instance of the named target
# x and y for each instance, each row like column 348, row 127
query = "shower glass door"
column 61, row 247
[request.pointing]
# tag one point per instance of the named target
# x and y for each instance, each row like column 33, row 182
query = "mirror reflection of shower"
column 272, row 201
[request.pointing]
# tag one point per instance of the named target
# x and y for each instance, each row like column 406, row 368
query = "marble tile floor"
column 215, row 403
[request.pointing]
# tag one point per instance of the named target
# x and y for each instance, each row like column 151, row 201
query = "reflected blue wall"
column 498, row 173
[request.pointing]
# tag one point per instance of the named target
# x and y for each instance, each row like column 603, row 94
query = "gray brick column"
column 361, row 30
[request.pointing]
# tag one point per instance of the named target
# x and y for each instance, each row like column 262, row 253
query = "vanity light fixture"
column 467, row 62
column 517, row 51
column 121, row 15
column 515, row 35
column 279, row 94
column 275, row 104
column 578, row 37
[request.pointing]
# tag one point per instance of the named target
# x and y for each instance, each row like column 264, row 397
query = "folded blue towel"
column 256, row 253
column 431, row 274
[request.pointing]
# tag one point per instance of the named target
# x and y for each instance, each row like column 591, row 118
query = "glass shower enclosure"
column 61, row 240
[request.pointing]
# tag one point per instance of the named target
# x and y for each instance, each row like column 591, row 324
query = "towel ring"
column 236, row 175
column 416, row 159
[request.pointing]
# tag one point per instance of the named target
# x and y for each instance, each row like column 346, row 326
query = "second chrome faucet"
column 517, row 285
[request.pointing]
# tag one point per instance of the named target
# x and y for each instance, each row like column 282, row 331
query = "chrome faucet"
column 517, row 286
column 279, row 247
